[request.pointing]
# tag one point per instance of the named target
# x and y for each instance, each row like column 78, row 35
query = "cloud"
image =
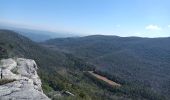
column 169, row 26
column 153, row 27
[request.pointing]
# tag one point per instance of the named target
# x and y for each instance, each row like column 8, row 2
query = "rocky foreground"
column 19, row 80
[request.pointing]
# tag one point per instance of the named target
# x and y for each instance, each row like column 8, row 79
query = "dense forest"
column 143, row 61
column 62, row 71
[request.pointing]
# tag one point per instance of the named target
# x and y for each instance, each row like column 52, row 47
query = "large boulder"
column 19, row 80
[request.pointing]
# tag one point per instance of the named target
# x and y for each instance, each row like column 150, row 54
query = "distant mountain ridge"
column 62, row 73
column 58, row 71
column 132, row 58
column 38, row 35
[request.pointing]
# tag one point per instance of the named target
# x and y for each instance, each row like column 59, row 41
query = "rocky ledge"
column 19, row 80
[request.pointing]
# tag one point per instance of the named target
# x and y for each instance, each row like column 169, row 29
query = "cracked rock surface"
column 22, row 80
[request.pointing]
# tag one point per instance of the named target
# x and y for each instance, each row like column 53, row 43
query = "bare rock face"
column 19, row 80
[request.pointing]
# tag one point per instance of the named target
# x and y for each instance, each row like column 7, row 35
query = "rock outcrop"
column 19, row 80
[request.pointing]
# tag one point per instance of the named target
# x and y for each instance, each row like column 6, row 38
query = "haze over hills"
column 37, row 35
column 62, row 71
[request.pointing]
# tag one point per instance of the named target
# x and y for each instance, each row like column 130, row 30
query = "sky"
column 144, row 18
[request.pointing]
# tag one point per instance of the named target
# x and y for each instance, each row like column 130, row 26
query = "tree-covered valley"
column 136, row 60
column 140, row 65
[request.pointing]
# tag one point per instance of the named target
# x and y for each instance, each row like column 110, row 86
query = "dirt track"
column 104, row 79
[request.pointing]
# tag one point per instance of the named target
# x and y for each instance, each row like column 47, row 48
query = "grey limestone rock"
column 24, row 83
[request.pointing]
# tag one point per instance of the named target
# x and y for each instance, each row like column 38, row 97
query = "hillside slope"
column 136, row 60
column 56, row 68
column 63, row 74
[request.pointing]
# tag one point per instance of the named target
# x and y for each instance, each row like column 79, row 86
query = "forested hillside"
column 136, row 60
column 62, row 73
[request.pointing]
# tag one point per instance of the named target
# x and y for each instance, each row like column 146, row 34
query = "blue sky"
column 145, row 18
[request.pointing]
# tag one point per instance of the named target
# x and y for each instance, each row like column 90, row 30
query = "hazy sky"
column 146, row 18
